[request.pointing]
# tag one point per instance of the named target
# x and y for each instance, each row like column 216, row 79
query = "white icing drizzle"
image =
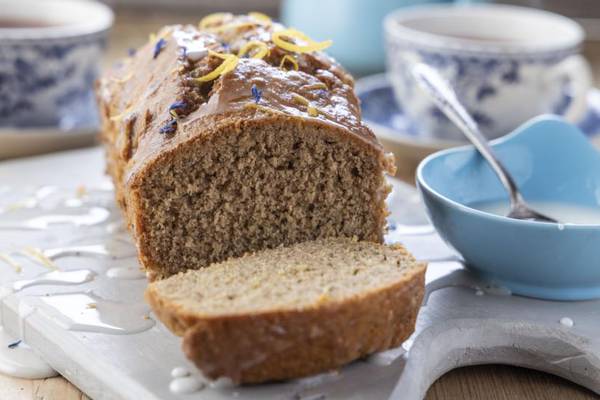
column 32, row 201
column 75, row 216
column 408, row 342
column 115, row 227
column 95, row 250
column 179, row 372
column 74, row 277
column 93, row 216
column 111, row 249
column 47, row 208
column 89, row 313
column 441, row 275
column 387, row 357
column 195, row 47
column 39, row 257
column 566, row 321
column 221, row 383
column 186, row 385
column 125, row 273
column 20, row 361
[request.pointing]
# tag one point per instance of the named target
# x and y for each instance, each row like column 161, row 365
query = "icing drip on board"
column 19, row 360
column 87, row 312
column 126, row 273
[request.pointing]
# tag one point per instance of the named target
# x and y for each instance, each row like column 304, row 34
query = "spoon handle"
column 445, row 98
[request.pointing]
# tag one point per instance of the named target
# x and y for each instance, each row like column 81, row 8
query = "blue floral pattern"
column 481, row 80
column 49, row 82
column 380, row 109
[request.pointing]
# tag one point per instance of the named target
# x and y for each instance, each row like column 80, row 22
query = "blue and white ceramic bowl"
column 507, row 64
column 49, row 62
column 551, row 161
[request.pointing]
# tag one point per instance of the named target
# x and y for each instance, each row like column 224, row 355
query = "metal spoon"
column 445, row 98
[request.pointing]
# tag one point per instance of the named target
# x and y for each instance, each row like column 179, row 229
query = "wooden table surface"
column 493, row 382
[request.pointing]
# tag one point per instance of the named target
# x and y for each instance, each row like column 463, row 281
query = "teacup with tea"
column 506, row 63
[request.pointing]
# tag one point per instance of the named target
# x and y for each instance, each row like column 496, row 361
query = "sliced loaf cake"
column 290, row 312
column 236, row 136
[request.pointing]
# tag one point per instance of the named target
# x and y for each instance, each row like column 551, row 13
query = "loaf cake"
column 236, row 136
column 295, row 311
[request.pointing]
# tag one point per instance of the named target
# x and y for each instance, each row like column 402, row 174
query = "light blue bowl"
column 550, row 160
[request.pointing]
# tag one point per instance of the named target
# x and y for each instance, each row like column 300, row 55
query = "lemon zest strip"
column 37, row 255
column 291, row 60
column 229, row 63
column 300, row 99
column 311, row 45
column 10, row 261
column 260, row 17
column 263, row 108
column 316, row 86
column 212, row 19
column 230, row 26
column 312, row 111
column 263, row 49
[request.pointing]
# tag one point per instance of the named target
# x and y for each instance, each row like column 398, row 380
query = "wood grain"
column 493, row 382
column 56, row 388
column 501, row 382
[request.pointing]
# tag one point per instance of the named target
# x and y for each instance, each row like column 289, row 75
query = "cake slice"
column 292, row 311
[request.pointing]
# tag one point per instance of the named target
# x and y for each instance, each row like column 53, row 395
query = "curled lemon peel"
column 291, row 60
column 229, row 63
column 217, row 22
column 265, row 109
column 211, row 19
column 260, row 17
column 316, row 86
column 231, row 26
column 300, row 99
column 310, row 109
column 263, row 49
column 311, row 45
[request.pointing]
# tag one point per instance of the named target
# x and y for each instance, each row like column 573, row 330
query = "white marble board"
column 103, row 338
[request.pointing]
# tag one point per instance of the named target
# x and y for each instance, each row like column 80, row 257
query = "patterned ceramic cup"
column 49, row 59
column 506, row 63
